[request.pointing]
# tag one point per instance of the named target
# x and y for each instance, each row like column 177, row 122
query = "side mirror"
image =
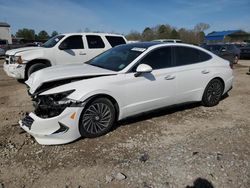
column 223, row 49
column 143, row 68
column 63, row 46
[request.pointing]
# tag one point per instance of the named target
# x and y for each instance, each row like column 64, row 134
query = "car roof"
column 143, row 44
column 152, row 45
column 89, row 33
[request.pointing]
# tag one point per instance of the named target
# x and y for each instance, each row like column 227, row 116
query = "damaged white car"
column 86, row 100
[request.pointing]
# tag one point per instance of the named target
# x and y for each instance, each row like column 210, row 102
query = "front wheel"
column 212, row 93
column 97, row 118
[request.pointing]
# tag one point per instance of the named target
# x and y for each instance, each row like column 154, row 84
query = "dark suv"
column 245, row 52
column 227, row 51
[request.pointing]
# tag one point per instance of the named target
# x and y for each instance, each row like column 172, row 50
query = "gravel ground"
column 186, row 146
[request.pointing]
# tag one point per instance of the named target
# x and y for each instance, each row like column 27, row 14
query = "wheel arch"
column 217, row 77
column 222, row 81
column 34, row 61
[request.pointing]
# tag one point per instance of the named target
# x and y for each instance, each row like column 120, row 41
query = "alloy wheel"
column 97, row 118
column 214, row 92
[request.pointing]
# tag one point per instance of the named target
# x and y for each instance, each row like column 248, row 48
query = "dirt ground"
column 187, row 146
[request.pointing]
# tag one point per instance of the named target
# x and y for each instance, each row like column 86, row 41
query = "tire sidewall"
column 82, row 130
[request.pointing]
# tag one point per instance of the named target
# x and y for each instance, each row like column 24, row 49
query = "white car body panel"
column 77, row 70
column 134, row 95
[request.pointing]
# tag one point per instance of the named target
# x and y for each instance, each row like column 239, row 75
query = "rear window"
column 187, row 55
column 115, row 40
column 95, row 41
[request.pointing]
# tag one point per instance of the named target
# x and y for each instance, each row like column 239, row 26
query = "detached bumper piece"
column 27, row 121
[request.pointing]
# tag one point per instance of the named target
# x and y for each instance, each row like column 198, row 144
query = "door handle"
column 82, row 53
column 169, row 77
column 205, row 71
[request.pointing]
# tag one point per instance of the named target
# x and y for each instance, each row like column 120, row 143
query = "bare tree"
column 201, row 27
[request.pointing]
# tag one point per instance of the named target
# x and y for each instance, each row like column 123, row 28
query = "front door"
column 71, row 50
column 153, row 90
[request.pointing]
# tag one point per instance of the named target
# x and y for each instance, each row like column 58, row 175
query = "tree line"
column 30, row 34
column 165, row 31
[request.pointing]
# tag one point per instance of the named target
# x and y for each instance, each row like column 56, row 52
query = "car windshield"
column 213, row 48
column 117, row 58
column 53, row 41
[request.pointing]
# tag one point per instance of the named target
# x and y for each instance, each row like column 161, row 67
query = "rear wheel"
column 213, row 93
column 35, row 67
column 97, row 118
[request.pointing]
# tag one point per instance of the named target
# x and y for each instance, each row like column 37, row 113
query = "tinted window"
column 114, row 40
column 95, row 41
column 157, row 59
column 187, row 55
column 3, row 42
column 73, row 42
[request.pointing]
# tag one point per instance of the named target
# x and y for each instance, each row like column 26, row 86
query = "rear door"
column 226, row 53
column 193, row 72
column 95, row 46
column 71, row 50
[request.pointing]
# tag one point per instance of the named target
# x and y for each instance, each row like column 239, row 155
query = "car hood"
column 18, row 50
column 59, row 75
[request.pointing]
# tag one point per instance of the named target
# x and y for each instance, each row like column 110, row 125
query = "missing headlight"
column 47, row 106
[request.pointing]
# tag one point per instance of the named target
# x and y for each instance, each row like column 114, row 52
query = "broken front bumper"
column 15, row 70
column 60, row 129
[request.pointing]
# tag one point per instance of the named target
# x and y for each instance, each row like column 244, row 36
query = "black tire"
column 97, row 118
column 213, row 92
column 236, row 59
column 35, row 67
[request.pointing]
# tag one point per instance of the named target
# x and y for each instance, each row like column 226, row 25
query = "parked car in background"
column 227, row 51
column 168, row 40
column 86, row 100
column 62, row 49
column 4, row 44
column 2, row 52
column 245, row 52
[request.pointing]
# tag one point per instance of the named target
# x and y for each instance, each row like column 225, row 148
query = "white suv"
column 62, row 49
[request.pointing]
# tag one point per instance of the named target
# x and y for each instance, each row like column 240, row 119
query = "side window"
column 114, row 40
column 157, row 59
column 72, row 42
column 203, row 56
column 95, row 41
column 188, row 55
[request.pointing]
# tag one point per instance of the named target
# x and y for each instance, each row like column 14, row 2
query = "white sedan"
column 86, row 100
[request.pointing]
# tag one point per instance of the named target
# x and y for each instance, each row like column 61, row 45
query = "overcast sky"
column 122, row 16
